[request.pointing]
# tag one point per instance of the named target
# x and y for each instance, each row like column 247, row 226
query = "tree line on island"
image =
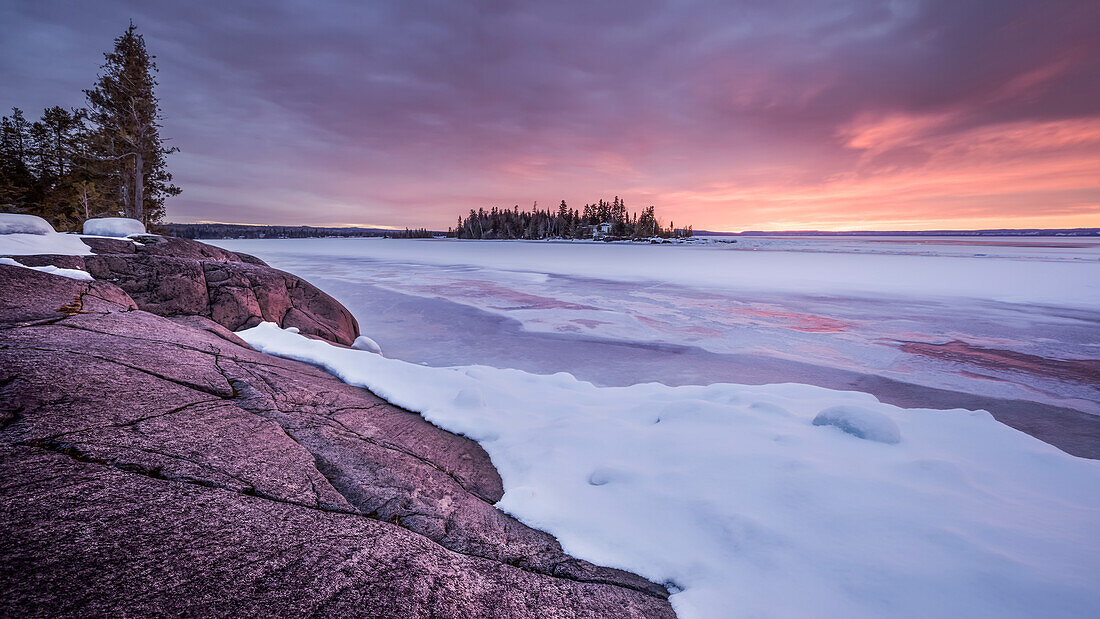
column 603, row 220
column 104, row 160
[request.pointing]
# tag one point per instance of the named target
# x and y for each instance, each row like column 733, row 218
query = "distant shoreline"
column 234, row 231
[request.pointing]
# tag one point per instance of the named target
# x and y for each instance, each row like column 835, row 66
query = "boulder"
column 156, row 466
column 162, row 285
column 110, row 246
column 180, row 277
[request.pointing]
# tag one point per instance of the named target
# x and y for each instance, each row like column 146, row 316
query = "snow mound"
column 49, row 268
column 13, row 223
column 738, row 499
column 27, row 235
column 860, row 423
column 113, row 226
column 365, row 343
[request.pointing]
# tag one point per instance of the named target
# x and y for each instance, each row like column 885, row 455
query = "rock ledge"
column 151, row 463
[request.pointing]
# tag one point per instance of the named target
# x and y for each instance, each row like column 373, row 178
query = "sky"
column 755, row 115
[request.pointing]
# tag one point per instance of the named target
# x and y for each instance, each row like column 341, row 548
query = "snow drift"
column 365, row 343
column 14, row 223
column 113, row 226
column 26, row 235
column 733, row 496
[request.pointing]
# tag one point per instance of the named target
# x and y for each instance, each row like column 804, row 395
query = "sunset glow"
column 833, row 116
column 674, row 309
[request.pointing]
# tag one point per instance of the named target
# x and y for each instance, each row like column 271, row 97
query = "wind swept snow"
column 733, row 496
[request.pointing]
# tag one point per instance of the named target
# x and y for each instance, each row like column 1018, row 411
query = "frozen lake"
column 783, row 500
column 1006, row 324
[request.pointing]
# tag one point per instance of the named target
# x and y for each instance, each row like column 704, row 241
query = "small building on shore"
column 598, row 231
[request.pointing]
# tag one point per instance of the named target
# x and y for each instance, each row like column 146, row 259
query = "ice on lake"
column 731, row 491
column 1010, row 318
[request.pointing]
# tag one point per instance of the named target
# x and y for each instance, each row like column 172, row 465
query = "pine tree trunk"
column 139, row 189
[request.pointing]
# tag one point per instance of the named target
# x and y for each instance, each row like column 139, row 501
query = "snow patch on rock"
column 27, row 235
column 14, row 223
column 118, row 227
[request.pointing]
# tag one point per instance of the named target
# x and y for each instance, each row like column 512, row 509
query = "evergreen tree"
column 16, row 180
column 19, row 135
column 61, row 139
column 126, row 114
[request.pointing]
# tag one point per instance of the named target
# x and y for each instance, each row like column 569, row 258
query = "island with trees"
column 603, row 220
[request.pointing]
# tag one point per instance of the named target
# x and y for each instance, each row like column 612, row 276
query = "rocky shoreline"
column 153, row 463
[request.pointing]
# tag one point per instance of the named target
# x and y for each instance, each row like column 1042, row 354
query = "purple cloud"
column 408, row 113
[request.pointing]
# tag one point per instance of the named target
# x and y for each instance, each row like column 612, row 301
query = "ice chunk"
column 861, row 423
column 13, row 223
column 113, row 226
column 49, row 268
column 365, row 343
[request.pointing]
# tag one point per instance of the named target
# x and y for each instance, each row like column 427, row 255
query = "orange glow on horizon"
column 1018, row 175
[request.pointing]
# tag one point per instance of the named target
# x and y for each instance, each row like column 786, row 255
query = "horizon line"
column 701, row 231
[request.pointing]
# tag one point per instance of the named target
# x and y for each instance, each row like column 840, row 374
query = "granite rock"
column 159, row 466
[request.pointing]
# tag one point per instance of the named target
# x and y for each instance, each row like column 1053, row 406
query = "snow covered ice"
column 731, row 493
column 120, row 227
column 912, row 313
